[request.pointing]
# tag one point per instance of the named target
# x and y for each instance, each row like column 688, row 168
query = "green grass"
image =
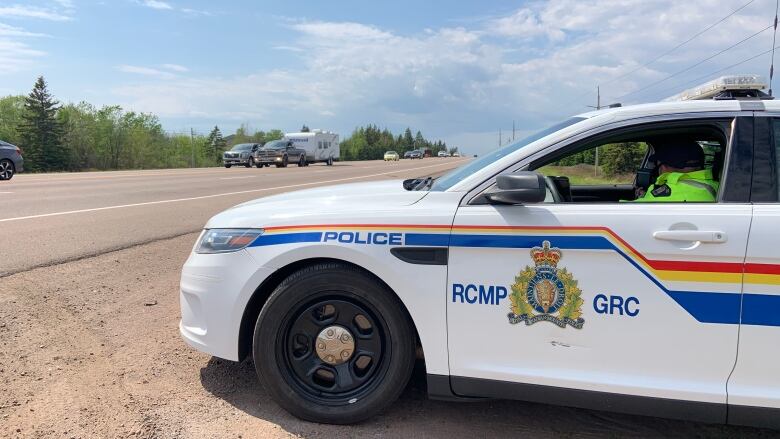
column 583, row 175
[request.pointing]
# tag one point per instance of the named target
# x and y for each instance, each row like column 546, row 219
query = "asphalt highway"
column 47, row 219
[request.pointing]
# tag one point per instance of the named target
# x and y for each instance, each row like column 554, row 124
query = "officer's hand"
column 640, row 192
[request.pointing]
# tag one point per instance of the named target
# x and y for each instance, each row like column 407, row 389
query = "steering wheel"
column 552, row 191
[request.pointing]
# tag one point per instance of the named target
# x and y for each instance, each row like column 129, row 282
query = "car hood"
column 317, row 204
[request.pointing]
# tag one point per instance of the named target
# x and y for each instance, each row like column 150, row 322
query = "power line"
column 680, row 45
column 610, row 81
column 653, row 84
column 711, row 74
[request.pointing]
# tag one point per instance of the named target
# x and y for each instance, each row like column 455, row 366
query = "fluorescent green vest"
column 697, row 186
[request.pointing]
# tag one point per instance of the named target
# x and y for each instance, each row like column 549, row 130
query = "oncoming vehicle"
column 320, row 146
column 11, row 160
column 391, row 156
column 240, row 154
column 280, row 153
column 416, row 154
column 456, row 154
column 442, row 154
column 408, row 154
column 515, row 279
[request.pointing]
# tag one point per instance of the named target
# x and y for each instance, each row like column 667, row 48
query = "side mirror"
column 519, row 188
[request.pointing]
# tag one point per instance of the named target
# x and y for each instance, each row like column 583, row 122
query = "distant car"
column 240, row 154
column 443, row 154
column 408, row 154
column 416, row 154
column 391, row 156
column 280, row 153
column 456, row 154
column 10, row 160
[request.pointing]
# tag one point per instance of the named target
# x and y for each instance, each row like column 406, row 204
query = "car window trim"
column 765, row 160
column 472, row 195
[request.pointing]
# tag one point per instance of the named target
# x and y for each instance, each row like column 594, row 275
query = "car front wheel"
column 250, row 163
column 228, row 166
column 333, row 345
column 6, row 169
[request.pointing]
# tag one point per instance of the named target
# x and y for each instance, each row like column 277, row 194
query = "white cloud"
column 25, row 11
column 13, row 31
column 145, row 71
column 16, row 56
column 157, row 4
column 175, row 68
column 461, row 82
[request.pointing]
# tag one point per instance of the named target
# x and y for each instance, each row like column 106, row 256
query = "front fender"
column 421, row 288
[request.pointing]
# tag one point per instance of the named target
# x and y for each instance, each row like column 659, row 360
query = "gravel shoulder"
column 91, row 348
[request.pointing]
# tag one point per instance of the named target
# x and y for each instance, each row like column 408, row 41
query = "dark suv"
column 280, row 153
column 10, row 160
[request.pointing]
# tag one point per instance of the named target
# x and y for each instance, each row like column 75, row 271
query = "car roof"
column 593, row 119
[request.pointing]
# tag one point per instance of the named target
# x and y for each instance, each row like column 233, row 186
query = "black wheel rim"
column 328, row 383
column 6, row 170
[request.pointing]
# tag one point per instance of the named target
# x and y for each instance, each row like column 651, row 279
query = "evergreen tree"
column 419, row 141
column 305, row 129
column 216, row 143
column 408, row 143
column 40, row 131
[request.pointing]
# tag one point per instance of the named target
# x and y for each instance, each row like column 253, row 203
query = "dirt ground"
column 91, row 349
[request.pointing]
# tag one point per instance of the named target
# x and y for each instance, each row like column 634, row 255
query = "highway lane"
column 52, row 218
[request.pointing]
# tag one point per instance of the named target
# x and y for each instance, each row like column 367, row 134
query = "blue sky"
column 456, row 70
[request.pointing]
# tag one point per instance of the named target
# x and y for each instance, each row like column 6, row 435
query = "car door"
column 754, row 387
column 626, row 306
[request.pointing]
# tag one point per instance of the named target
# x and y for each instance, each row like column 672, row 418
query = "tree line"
column 371, row 143
column 77, row 137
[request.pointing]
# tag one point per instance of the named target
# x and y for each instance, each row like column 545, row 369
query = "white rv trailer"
column 320, row 146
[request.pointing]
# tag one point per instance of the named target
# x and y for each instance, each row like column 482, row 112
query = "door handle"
column 690, row 235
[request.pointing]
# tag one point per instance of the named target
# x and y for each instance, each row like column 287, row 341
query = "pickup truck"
column 279, row 153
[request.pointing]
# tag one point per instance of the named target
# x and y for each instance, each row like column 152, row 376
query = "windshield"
column 448, row 180
column 391, row 152
column 276, row 144
column 242, row 147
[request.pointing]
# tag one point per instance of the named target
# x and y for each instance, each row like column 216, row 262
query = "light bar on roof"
column 724, row 83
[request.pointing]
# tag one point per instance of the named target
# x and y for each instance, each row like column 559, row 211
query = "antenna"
column 774, row 38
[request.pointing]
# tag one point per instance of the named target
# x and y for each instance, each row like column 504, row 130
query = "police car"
column 514, row 282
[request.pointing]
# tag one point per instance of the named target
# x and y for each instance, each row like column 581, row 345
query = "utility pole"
column 598, row 107
column 513, row 131
column 192, row 147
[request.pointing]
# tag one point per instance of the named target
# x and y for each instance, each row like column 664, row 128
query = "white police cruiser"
column 516, row 284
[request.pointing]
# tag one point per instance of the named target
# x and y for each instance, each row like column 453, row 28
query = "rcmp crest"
column 545, row 292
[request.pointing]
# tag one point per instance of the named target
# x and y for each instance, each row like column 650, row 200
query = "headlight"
column 226, row 240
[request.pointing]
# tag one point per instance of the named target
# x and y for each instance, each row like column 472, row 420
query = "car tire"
column 301, row 161
column 330, row 161
column 7, row 169
column 331, row 387
column 259, row 165
column 285, row 162
column 250, row 162
column 228, row 166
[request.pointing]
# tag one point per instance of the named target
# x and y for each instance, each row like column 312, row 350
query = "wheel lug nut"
column 345, row 338
column 344, row 354
column 330, row 332
column 320, row 345
column 330, row 359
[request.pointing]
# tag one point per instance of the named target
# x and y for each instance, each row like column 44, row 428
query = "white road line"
column 6, row 192
column 237, row 178
column 203, row 197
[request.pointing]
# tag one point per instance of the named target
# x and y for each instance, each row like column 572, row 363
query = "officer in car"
column 681, row 175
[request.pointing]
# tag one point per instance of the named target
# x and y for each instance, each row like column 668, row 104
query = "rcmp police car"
column 516, row 284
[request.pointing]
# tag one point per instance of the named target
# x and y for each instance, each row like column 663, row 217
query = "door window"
column 651, row 165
